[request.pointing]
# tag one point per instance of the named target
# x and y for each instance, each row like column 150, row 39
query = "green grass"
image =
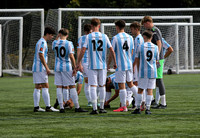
column 180, row 119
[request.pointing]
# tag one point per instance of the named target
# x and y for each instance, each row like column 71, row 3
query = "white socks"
column 65, row 94
column 87, row 92
column 122, row 95
column 46, row 97
column 93, row 92
column 134, row 89
column 139, row 100
column 74, row 96
column 36, row 97
column 102, row 96
column 108, row 95
column 144, row 95
column 163, row 100
column 157, row 95
column 60, row 97
column 148, row 101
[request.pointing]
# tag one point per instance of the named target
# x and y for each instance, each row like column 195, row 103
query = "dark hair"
column 95, row 22
column 49, row 30
column 147, row 19
column 121, row 24
column 148, row 34
column 135, row 25
column 64, row 31
column 87, row 28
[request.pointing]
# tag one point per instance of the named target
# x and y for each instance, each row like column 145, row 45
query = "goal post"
column 176, row 31
column 0, row 51
column 17, row 71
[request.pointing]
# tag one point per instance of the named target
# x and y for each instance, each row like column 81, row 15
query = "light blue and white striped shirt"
column 137, row 42
column 81, row 42
column 41, row 47
column 62, row 49
column 165, row 45
column 97, row 45
column 123, row 45
column 148, row 54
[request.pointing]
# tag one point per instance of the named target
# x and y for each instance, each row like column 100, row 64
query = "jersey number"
column 100, row 46
column 62, row 51
column 149, row 55
column 125, row 46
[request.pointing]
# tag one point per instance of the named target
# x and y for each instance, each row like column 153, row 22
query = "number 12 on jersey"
column 99, row 45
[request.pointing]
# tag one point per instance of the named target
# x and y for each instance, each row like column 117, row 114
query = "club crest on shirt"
column 41, row 49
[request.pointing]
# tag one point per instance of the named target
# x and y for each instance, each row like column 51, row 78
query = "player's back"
column 41, row 47
column 97, row 44
column 81, row 42
column 123, row 45
column 148, row 54
column 62, row 49
column 138, row 41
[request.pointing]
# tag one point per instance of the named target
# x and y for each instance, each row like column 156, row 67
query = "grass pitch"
column 180, row 119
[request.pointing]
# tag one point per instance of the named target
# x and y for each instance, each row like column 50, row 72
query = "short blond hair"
column 147, row 19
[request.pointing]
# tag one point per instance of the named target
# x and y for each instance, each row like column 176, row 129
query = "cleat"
column 121, row 109
column 136, row 111
column 102, row 111
column 154, row 106
column 38, row 109
column 147, row 112
column 160, row 106
column 94, row 112
column 107, row 106
column 56, row 104
column 89, row 104
column 51, row 109
column 80, row 110
column 62, row 111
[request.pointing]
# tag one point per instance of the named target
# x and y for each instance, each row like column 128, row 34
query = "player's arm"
column 71, row 56
column 114, row 57
column 169, row 51
column 78, row 53
column 82, row 52
column 113, row 97
column 41, row 55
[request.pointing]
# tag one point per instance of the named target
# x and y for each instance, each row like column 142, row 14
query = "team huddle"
column 138, row 65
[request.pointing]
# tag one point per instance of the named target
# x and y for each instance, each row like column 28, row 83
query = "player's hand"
column 48, row 71
column 74, row 72
column 81, row 68
column 108, row 67
column 115, row 66
column 157, row 64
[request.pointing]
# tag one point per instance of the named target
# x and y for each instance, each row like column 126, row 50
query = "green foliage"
column 180, row 119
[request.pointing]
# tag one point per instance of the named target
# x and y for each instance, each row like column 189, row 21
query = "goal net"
column 33, row 28
column 69, row 18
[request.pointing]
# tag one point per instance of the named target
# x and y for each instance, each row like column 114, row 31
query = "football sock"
column 108, row 95
column 74, row 96
column 144, row 95
column 139, row 100
column 36, row 97
column 46, row 97
column 161, row 86
column 157, row 95
column 163, row 100
column 102, row 96
column 87, row 92
column 134, row 89
column 93, row 92
column 122, row 95
column 65, row 94
column 60, row 97
column 148, row 101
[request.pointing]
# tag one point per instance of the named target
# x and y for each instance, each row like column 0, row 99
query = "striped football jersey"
column 81, row 42
column 41, row 47
column 148, row 54
column 62, row 49
column 123, row 45
column 137, row 42
column 165, row 45
column 97, row 45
